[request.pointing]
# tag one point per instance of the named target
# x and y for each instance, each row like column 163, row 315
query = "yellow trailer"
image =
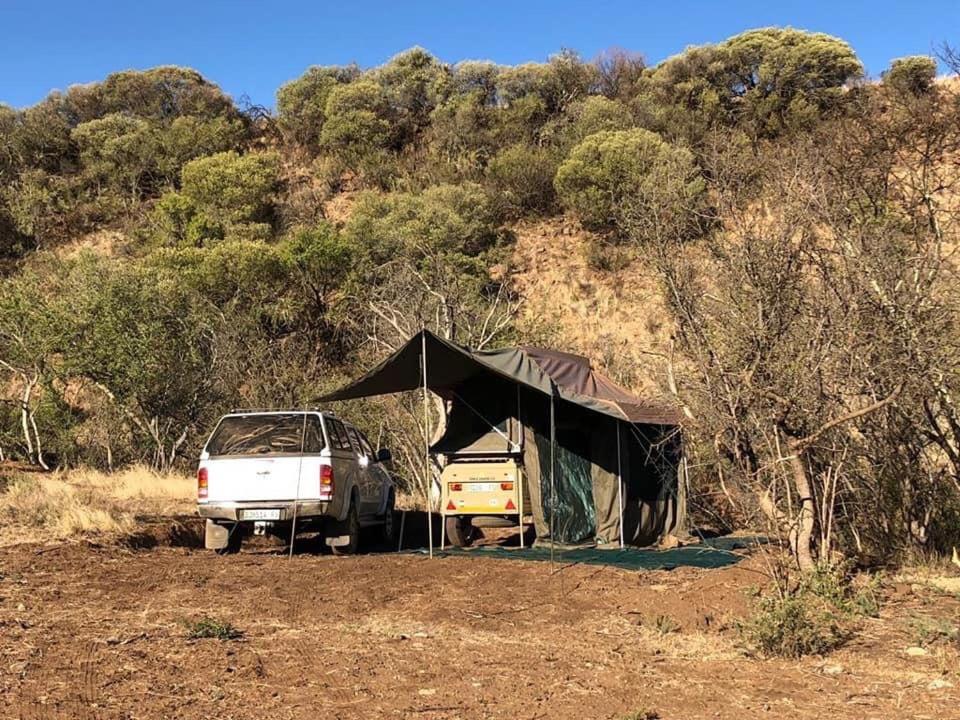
column 482, row 493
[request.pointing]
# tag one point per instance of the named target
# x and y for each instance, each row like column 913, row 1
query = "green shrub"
column 629, row 181
column 810, row 615
column 914, row 74
column 791, row 626
column 211, row 628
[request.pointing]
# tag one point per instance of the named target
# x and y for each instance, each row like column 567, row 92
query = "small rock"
column 916, row 651
column 668, row 542
column 426, row 691
column 21, row 607
column 939, row 684
column 832, row 669
column 113, row 640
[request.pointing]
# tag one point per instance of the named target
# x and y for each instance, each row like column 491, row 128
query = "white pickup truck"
column 268, row 471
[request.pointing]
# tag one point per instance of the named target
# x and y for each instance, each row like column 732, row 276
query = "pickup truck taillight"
column 202, row 482
column 326, row 482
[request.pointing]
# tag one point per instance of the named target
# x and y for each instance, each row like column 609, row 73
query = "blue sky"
column 250, row 48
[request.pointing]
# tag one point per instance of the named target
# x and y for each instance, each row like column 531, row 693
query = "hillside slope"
column 616, row 318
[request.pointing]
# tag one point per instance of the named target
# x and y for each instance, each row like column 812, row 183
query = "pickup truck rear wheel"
column 234, row 540
column 350, row 527
column 459, row 531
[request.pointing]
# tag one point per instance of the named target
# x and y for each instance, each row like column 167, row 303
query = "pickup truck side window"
column 314, row 443
column 365, row 444
column 355, row 441
column 338, row 435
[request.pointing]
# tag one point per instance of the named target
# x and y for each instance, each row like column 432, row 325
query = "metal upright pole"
column 296, row 499
column 426, row 441
column 553, row 467
column 521, row 473
column 620, row 484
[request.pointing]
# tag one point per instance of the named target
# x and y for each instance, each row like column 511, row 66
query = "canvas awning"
column 550, row 372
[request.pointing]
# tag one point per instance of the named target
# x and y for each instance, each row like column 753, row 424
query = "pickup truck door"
column 366, row 473
column 344, row 460
column 379, row 477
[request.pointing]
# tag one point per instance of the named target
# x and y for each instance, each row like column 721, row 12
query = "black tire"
column 388, row 531
column 350, row 526
column 234, row 541
column 459, row 531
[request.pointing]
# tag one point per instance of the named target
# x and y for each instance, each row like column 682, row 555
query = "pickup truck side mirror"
column 383, row 455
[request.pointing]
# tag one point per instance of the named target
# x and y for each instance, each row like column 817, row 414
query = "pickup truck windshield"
column 266, row 435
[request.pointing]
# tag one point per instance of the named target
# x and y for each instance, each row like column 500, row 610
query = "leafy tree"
column 450, row 219
column 302, row 103
column 233, row 188
column 118, row 152
column 357, row 123
column 161, row 93
column 475, row 76
column 618, row 73
column 768, row 80
column 616, row 178
column 592, row 115
column 914, row 74
column 414, row 83
column 562, row 80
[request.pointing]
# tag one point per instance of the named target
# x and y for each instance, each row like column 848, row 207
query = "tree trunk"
column 806, row 517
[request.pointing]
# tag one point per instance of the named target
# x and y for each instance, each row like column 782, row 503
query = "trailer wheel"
column 459, row 531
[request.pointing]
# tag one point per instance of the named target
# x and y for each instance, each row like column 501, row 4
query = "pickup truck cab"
column 281, row 472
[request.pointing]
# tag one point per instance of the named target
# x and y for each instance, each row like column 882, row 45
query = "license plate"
column 482, row 487
column 260, row 514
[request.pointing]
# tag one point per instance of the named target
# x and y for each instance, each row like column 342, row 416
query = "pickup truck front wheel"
column 388, row 532
column 350, row 527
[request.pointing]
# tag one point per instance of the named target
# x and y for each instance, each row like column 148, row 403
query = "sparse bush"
column 809, row 615
column 646, row 714
column 521, row 177
column 931, row 631
column 792, row 626
column 211, row 628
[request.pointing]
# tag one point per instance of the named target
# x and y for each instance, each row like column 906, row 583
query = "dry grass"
column 65, row 504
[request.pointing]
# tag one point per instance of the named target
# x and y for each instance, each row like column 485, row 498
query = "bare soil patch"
column 103, row 631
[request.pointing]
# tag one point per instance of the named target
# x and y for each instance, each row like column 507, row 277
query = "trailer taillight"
column 456, row 487
column 326, row 481
column 203, row 480
column 506, row 486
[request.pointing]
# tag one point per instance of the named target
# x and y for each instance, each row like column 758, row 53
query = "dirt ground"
column 98, row 631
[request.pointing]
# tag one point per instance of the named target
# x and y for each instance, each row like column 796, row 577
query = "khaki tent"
column 602, row 465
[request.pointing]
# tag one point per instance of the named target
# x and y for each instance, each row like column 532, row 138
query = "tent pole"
column 520, row 474
column 296, row 499
column 426, row 441
column 553, row 466
column 620, row 484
